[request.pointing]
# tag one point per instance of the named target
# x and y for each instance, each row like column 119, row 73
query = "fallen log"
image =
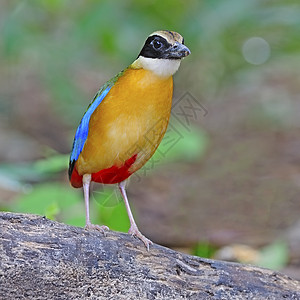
column 43, row 259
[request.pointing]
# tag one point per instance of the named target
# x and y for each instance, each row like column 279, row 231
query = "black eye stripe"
column 152, row 49
column 157, row 38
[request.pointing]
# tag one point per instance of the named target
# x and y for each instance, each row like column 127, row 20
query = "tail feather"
column 71, row 168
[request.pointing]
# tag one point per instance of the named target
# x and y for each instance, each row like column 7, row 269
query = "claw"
column 103, row 229
column 134, row 231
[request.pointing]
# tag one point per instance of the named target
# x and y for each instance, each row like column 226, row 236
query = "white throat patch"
column 159, row 66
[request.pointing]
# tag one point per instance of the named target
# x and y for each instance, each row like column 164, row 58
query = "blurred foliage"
column 73, row 47
column 46, row 199
column 204, row 249
column 34, row 171
column 59, row 39
column 274, row 256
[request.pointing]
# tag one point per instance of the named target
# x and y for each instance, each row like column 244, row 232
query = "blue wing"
column 83, row 128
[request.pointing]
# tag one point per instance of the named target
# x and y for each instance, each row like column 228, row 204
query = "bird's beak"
column 177, row 51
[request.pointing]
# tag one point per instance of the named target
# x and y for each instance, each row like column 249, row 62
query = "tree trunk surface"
column 43, row 259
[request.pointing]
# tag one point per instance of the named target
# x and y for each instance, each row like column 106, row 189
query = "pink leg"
column 86, row 179
column 133, row 230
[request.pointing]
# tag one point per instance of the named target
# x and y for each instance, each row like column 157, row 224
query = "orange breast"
column 129, row 122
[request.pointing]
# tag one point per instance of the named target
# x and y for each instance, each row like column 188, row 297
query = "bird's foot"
column 134, row 231
column 102, row 228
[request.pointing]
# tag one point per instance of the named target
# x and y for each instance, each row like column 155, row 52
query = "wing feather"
column 83, row 128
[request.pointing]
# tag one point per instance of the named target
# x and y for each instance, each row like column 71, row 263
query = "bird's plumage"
column 124, row 126
column 126, row 121
column 83, row 128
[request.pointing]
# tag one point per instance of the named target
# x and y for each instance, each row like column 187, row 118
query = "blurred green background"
column 230, row 177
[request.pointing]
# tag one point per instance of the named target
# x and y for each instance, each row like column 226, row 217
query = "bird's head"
column 162, row 53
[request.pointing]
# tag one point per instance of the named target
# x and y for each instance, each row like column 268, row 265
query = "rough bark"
column 42, row 259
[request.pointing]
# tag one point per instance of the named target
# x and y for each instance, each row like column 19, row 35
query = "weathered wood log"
column 42, row 259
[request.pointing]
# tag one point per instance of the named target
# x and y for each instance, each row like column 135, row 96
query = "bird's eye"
column 156, row 44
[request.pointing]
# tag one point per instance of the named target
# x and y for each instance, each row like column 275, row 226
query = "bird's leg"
column 133, row 230
column 86, row 180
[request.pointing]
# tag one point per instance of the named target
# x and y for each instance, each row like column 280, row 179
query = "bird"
column 126, row 121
